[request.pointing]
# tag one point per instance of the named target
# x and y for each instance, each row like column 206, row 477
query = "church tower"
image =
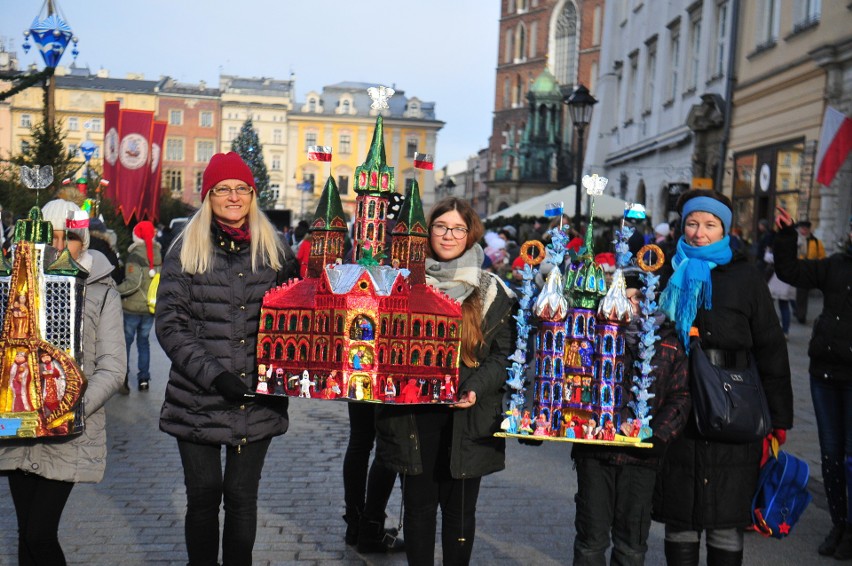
column 328, row 230
column 410, row 236
column 374, row 182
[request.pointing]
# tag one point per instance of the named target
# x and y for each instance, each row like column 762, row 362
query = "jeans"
column 139, row 325
column 833, row 409
column 784, row 309
column 613, row 499
column 39, row 503
column 364, row 496
column 423, row 494
column 205, row 488
column 730, row 540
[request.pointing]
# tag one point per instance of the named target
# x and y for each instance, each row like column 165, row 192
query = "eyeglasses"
column 459, row 233
column 242, row 190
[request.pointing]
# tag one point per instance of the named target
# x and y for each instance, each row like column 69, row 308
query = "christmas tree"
column 247, row 145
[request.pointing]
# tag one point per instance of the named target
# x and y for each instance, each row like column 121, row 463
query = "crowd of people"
column 212, row 279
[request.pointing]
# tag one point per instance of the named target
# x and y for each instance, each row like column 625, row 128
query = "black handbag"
column 729, row 403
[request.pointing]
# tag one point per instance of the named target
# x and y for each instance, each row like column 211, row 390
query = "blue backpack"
column 782, row 494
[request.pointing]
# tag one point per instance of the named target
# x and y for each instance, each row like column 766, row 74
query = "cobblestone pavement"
column 525, row 515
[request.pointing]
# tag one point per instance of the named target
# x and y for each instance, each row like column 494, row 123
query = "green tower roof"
column 412, row 221
column 374, row 176
column 329, row 215
column 546, row 84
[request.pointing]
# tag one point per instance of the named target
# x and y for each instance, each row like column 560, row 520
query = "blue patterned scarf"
column 690, row 286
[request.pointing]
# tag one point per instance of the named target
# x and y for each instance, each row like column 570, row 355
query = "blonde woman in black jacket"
column 443, row 452
column 208, row 308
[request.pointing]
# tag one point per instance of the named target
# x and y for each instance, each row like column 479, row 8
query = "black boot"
column 373, row 537
column 829, row 545
column 351, row 536
column 681, row 553
column 844, row 547
column 719, row 557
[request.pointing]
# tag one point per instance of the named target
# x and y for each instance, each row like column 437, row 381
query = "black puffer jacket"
column 207, row 324
column 475, row 451
column 710, row 485
column 831, row 342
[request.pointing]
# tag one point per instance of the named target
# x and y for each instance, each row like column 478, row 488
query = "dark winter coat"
column 137, row 278
column 207, row 324
column 670, row 405
column 475, row 451
column 831, row 342
column 710, row 485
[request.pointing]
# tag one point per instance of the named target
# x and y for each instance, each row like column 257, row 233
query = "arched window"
column 345, row 106
column 303, row 352
column 267, row 324
column 557, row 367
column 521, row 43
column 439, row 360
column 429, row 329
column 291, row 352
column 441, row 331
column 427, row 358
column 306, row 323
column 338, row 352
column 415, row 357
column 416, row 329
column 266, row 348
column 548, row 341
column 279, row 351
column 293, row 323
column 312, row 104
column 608, row 345
column 339, row 324
column 371, row 209
column 384, row 326
column 565, row 49
column 560, row 341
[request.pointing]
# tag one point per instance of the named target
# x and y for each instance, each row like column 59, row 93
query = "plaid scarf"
column 240, row 235
column 459, row 277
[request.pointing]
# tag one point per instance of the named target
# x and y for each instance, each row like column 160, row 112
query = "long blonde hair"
column 196, row 254
column 471, row 330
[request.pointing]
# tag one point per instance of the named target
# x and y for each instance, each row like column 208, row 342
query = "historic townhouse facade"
column 794, row 59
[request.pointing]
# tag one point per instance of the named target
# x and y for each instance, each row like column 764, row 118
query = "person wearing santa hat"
column 214, row 277
column 41, row 475
column 144, row 259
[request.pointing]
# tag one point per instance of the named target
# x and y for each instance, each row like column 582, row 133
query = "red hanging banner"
column 112, row 111
column 149, row 203
column 134, row 155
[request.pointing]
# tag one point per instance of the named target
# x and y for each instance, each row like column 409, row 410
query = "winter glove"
column 530, row 441
column 778, row 434
column 230, row 387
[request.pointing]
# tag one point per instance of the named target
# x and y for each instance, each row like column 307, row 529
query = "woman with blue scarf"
column 707, row 485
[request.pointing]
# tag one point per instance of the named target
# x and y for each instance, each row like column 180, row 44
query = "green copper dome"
column 546, row 84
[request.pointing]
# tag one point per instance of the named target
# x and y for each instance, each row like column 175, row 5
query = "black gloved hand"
column 230, row 387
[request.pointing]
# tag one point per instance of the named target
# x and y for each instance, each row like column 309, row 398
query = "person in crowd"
column 762, row 240
column 42, row 473
column 443, row 451
column 830, row 372
column 101, row 240
column 614, row 484
column 809, row 247
column 207, row 317
column 144, row 260
column 780, row 291
column 706, row 485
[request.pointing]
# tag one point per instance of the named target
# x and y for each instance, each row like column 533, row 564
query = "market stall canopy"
column 606, row 206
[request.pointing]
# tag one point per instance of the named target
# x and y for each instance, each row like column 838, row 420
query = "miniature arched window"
column 607, row 395
column 303, row 352
column 453, row 331
column 384, row 326
column 619, row 371
column 393, row 357
column 451, row 355
column 548, row 341
column 370, row 231
column 557, row 391
column 609, row 345
column 293, row 323
column 547, row 366
column 546, row 412
column 560, row 342
column 557, row 367
column 537, row 366
column 430, row 328
column 596, row 395
column 345, row 106
column 325, row 352
column 306, row 323
column 381, row 211
column 618, row 395
column 441, row 331
column 291, row 352
column 590, row 328
column 597, row 343
column 415, row 329
column 371, row 209
column 360, row 209
column 538, row 341
column 546, row 392
column 339, row 324
column 266, row 347
column 395, row 327
column 619, row 346
column 317, row 352
column 415, row 357
column 279, row 351
column 439, row 359
column 267, row 324
column 557, row 418
column 596, row 370
column 427, row 358
column 381, row 236
column 338, row 352
column 381, row 355
column 579, row 326
column 607, row 367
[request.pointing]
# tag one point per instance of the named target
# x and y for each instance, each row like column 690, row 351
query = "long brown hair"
column 471, row 330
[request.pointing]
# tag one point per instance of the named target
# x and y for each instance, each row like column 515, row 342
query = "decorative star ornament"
column 784, row 528
column 380, row 96
column 594, row 184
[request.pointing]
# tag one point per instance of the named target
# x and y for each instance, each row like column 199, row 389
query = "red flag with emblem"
column 112, row 111
column 149, row 203
column 134, row 155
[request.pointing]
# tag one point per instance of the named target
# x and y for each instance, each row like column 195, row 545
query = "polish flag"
column 424, row 161
column 835, row 142
column 319, row 153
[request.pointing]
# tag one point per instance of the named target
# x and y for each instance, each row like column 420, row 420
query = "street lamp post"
column 580, row 103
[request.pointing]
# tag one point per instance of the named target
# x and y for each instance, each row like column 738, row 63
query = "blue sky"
column 439, row 50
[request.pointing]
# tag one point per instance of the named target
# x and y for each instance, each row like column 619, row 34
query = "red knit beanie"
column 145, row 231
column 225, row 166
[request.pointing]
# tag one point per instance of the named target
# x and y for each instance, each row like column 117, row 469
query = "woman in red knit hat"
column 208, row 308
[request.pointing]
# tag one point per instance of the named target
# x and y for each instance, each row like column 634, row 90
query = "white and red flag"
column 835, row 142
column 424, row 161
column 319, row 153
